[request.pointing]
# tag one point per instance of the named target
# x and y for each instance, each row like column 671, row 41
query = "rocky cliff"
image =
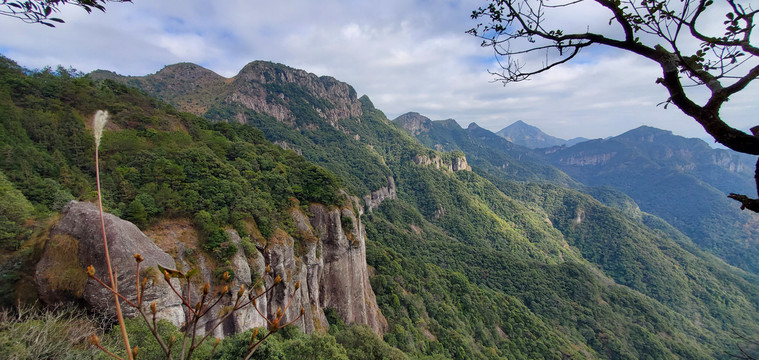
column 261, row 86
column 375, row 198
column 327, row 256
column 457, row 163
column 414, row 123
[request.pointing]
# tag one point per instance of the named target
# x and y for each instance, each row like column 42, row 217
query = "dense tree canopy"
column 680, row 36
column 41, row 11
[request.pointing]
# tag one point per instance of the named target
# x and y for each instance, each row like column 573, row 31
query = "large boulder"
column 76, row 241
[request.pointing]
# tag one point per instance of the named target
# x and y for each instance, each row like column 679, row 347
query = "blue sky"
column 406, row 56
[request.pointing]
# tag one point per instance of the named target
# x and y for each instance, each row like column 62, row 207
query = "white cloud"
column 407, row 56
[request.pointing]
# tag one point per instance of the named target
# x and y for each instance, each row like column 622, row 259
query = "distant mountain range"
column 683, row 181
column 521, row 133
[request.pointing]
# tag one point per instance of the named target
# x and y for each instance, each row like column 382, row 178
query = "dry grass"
column 169, row 232
column 64, row 273
column 30, row 333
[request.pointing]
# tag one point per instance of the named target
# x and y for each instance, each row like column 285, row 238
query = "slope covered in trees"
column 467, row 264
column 683, row 181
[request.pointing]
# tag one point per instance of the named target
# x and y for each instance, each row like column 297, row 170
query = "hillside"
column 625, row 244
column 501, row 236
column 683, row 181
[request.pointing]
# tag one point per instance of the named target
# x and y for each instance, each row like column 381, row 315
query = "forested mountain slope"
column 683, row 181
column 634, row 248
column 460, row 235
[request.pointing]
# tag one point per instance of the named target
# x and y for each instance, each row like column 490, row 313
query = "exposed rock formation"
column 345, row 281
column 327, row 256
column 414, row 123
column 287, row 146
column 457, row 163
column 376, row 198
column 585, row 160
column 81, row 223
column 250, row 89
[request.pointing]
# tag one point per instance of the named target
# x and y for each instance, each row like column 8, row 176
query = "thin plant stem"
column 119, row 315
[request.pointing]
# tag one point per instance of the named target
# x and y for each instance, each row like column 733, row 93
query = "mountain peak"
column 448, row 123
column 414, row 122
column 529, row 136
column 646, row 131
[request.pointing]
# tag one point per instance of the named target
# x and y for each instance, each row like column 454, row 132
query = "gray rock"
column 329, row 261
column 81, row 221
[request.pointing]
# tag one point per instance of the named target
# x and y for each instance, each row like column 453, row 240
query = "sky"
column 405, row 55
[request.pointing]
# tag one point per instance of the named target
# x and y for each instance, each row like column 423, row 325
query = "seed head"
column 138, row 258
column 206, row 289
column 225, row 276
column 153, row 308
column 241, row 291
column 297, row 285
column 91, row 270
column 94, row 340
column 277, row 280
column 98, row 123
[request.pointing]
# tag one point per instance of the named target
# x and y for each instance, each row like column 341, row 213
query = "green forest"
column 522, row 263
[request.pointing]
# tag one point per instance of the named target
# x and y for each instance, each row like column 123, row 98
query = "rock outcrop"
column 327, row 256
column 344, row 284
column 376, row 197
column 80, row 225
column 414, row 123
column 457, row 163
column 258, row 87
column 587, row 160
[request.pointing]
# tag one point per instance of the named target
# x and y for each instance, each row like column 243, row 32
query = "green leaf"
column 172, row 273
column 191, row 273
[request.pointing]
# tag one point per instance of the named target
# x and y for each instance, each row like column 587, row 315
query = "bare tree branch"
column 518, row 27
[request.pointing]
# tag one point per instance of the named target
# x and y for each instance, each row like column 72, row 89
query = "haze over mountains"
column 478, row 247
column 521, row 133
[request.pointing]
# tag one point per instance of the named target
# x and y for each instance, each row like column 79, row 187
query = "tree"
column 40, row 11
column 679, row 36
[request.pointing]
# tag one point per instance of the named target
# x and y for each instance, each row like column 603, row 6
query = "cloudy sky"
column 405, row 55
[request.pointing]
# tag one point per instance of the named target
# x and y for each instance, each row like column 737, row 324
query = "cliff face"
column 414, row 123
column 328, row 258
column 458, row 163
column 376, row 198
column 587, row 160
column 262, row 86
